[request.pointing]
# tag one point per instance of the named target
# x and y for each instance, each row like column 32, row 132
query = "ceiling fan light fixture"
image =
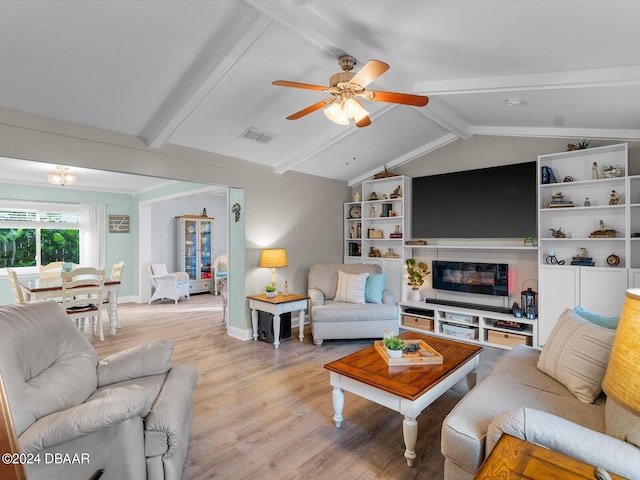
column 351, row 108
column 62, row 176
column 335, row 113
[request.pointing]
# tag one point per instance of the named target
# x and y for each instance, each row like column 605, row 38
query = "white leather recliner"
column 129, row 414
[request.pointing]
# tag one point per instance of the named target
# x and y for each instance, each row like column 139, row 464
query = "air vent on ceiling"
column 255, row 134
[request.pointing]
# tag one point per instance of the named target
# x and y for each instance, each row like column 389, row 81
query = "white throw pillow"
column 576, row 355
column 351, row 287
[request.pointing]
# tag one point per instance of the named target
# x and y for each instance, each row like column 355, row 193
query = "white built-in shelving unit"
column 600, row 287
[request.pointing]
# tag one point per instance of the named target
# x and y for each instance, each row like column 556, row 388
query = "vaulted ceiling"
column 199, row 73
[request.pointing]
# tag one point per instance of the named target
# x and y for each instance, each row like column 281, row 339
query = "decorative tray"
column 414, row 358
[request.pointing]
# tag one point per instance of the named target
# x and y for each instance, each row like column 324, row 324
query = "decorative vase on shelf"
column 415, row 295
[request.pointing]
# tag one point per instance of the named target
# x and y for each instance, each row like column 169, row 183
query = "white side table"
column 276, row 306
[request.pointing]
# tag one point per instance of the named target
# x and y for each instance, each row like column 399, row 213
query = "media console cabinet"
column 467, row 324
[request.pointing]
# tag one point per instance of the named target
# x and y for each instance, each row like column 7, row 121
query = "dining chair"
column 82, row 296
column 50, row 271
column 116, row 275
column 15, row 286
column 168, row 285
column 220, row 271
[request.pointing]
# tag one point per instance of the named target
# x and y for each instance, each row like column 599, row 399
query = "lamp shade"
column 273, row 258
column 622, row 380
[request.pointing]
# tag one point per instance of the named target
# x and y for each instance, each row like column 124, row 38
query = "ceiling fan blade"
column 363, row 122
column 367, row 74
column 393, row 97
column 306, row 86
column 311, row 109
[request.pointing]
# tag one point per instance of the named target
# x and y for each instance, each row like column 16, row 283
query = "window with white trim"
column 38, row 233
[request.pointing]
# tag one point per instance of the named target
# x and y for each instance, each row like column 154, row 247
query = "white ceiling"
column 199, row 73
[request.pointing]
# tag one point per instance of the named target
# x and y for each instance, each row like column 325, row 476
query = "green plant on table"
column 269, row 288
column 394, row 343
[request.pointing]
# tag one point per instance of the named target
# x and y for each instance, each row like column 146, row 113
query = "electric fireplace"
column 481, row 278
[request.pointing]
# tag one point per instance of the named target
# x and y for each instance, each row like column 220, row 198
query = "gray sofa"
column 129, row 414
column 344, row 320
column 519, row 399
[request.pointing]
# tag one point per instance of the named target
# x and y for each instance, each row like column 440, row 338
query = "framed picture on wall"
column 119, row 224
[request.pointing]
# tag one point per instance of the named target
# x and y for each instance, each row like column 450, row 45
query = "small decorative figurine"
column 356, row 197
column 397, row 192
column 285, row 288
column 594, row 171
column 614, row 198
column 373, row 196
column 557, row 233
column 204, row 212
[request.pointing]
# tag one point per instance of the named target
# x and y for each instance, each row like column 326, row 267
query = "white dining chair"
column 168, row 285
column 82, row 297
column 51, row 271
column 15, row 286
column 116, row 275
column 220, row 267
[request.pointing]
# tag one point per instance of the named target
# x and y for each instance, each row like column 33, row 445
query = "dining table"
column 42, row 289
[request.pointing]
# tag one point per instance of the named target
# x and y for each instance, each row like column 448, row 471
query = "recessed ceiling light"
column 514, row 102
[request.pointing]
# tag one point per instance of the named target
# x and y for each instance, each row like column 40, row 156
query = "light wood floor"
column 267, row 414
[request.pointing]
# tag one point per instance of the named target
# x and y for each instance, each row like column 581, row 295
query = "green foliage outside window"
column 18, row 247
column 59, row 246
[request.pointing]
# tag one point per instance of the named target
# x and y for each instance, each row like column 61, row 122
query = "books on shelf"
column 583, row 263
column 560, row 204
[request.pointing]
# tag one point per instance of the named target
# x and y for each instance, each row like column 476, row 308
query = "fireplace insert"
column 482, row 278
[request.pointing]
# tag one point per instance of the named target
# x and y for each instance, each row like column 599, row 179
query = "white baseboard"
column 243, row 334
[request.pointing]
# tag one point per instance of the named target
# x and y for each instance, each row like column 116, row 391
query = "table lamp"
column 622, row 380
column 273, row 258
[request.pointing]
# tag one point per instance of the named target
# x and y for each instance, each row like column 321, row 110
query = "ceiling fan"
column 345, row 87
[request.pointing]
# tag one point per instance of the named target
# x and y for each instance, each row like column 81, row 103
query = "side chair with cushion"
column 168, row 285
column 82, row 297
column 129, row 413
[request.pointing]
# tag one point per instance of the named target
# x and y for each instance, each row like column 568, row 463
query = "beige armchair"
column 168, row 285
column 129, row 414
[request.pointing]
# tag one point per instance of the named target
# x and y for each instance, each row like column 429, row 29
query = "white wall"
column 163, row 225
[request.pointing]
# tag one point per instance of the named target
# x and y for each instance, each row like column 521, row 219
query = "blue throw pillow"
column 597, row 319
column 374, row 287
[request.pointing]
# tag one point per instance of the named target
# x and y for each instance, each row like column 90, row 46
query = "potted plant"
column 270, row 291
column 416, row 272
column 529, row 241
column 394, row 346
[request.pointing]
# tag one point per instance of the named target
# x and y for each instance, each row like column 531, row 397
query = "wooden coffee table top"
column 367, row 366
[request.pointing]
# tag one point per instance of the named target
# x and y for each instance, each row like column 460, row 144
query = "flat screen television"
column 482, row 278
column 496, row 202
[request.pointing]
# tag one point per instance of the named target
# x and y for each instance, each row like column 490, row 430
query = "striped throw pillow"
column 351, row 287
column 576, row 355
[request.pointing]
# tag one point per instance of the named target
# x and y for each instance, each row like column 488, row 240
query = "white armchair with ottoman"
column 129, row 414
column 350, row 301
